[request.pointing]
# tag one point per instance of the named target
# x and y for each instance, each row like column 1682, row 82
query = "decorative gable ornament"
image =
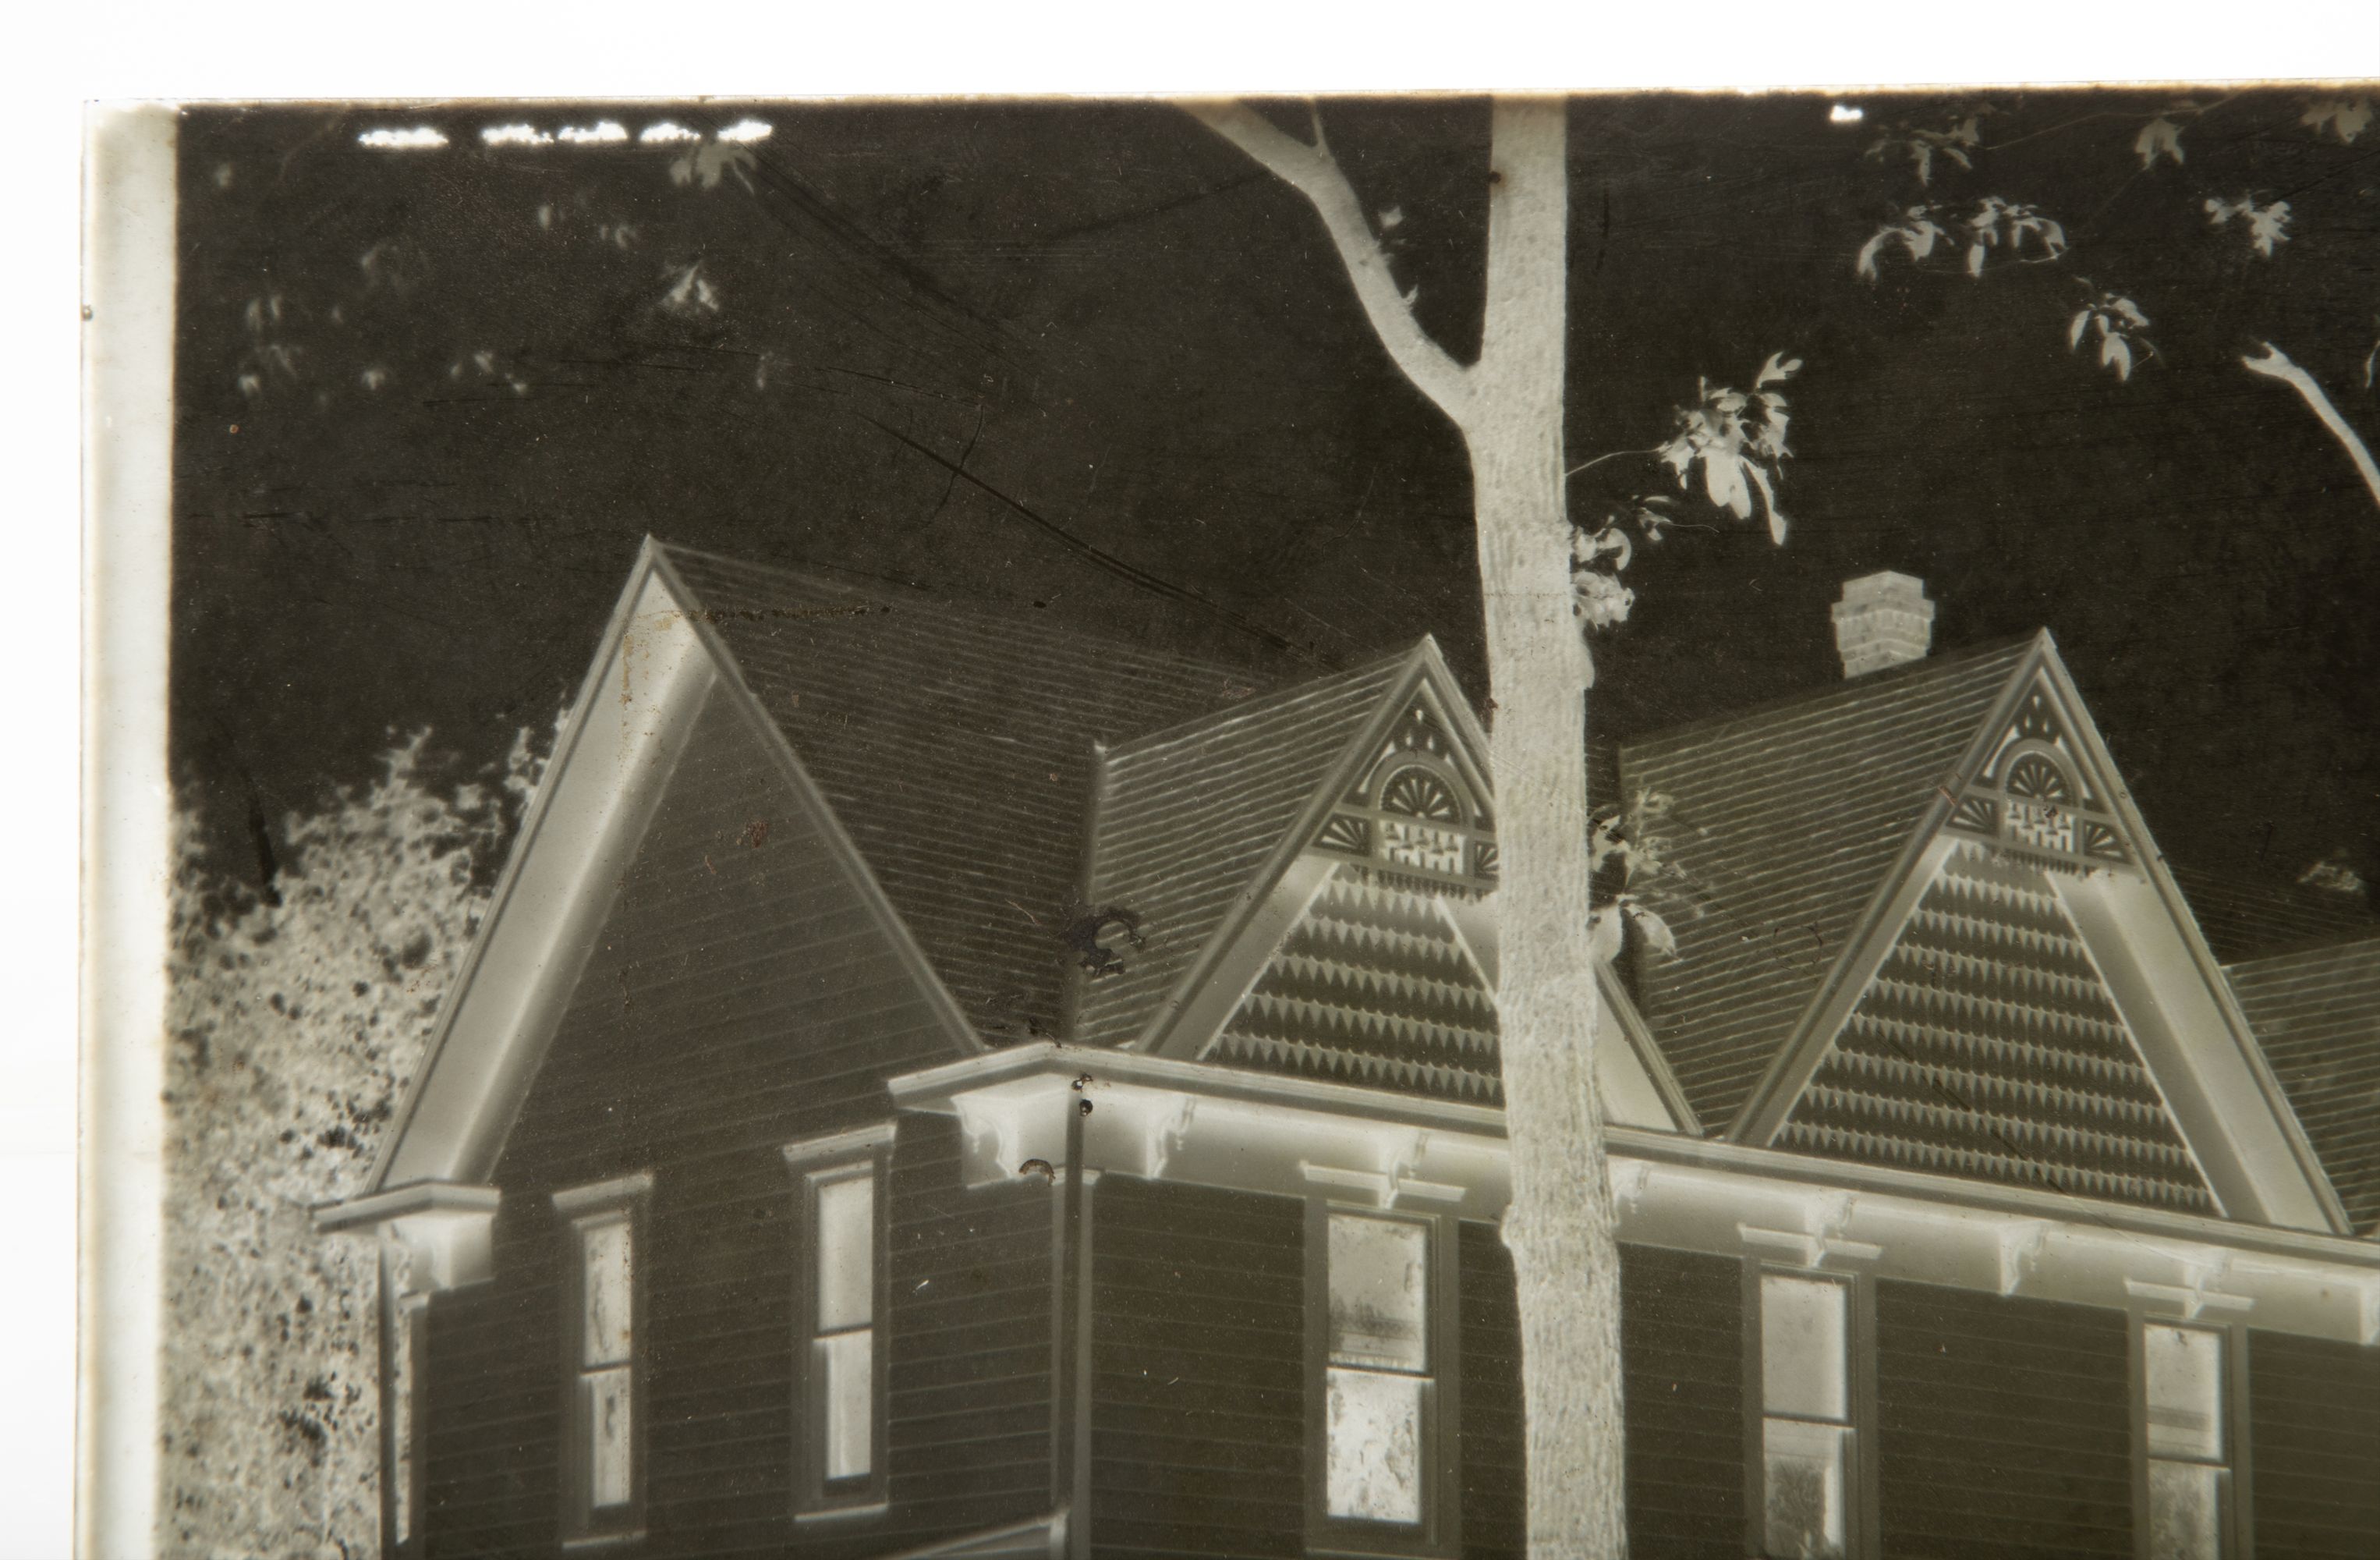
column 2037, row 794
column 1417, row 810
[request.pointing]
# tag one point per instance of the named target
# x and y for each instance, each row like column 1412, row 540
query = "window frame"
column 1862, row 1492
column 627, row 1200
column 2236, row 1528
column 815, row 1162
column 1440, row 1532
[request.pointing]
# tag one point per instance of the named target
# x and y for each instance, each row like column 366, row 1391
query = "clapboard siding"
column 740, row 996
column 1198, row 1372
column 2313, row 1413
column 1494, row 1489
column 971, row 1338
column 1682, row 1352
column 2003, row 1425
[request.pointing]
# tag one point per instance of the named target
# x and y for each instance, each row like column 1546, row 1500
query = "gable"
column 1384, row 981
column 741, row 991
column 2316, row 1013
column 1785, row 824
column 1187, row 824
column 2038, row 792
column 1371, row 986
column 955, row 747
column 1986, row 1044
column 2035, row 811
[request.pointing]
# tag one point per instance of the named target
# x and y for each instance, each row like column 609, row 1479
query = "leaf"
column 2266, row 226
column 2159, row 138
column 1723, row 481
column 2344, row 119
column 1976, row 260
column 1654, row 930
column 1768, row 502
column 2117, row 352
column 1776, row 371
column 708, row 164
column 1866, row 264
column 2074, row 331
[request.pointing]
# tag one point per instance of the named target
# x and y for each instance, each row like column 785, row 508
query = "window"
column 1382, row 1343
column 603, row 1375
column 1810, row 1499
column 2186, row 1442
column 839, row 1307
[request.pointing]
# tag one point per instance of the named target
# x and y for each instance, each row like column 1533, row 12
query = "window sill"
column 840, row 1513
column 589, row 1543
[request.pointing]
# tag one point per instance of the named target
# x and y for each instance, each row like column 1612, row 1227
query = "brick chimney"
column 1883, row 620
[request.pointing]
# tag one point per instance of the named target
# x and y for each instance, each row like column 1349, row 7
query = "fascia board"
column 404, row 1153
column 2207, row 972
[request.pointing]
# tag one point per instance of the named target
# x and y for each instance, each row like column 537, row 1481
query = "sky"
column 1084, row 359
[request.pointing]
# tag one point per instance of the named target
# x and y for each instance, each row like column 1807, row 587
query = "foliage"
column 2118, row 325
column 1634, row 880
column 1733, row 440
column 2266, row 226
column 1922, row 145
column 295, row 1017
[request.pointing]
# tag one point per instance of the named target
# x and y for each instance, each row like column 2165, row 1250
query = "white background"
column 63, row 56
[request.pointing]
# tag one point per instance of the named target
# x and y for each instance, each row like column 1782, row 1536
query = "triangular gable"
column 1384, row 981
column 1362, row 949
column 1194, row 828
column 2031, row 906
column 659, row 667
column 1784, row 823
column 1986, row 1044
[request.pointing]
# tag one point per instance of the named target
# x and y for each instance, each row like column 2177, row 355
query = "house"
column 934, row 1084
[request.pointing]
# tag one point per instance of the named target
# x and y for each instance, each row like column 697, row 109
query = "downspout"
column 1070, row 1406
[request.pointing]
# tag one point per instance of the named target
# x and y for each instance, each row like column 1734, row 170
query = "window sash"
column 840, row 1273
column 1808, row 1483
column 1380, row 1394
column 603, row 1295
column 2185, row 1448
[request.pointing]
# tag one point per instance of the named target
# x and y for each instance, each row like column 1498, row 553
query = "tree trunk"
column 1561, row 1226
column 1509, row 407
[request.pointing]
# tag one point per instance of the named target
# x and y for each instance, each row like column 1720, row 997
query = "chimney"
column 1883, row 620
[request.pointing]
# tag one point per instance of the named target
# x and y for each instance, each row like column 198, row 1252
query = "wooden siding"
column 1681, row 1351
column 1495, row 1497
column 2313, row 1415
column 2003, row 1426
column 740, row 996
column 1198, row 1372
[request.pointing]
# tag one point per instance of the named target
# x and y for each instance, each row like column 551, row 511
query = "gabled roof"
column 1786, row 821
column 2317, row 1013
column 955, row 746
column 1188, row 820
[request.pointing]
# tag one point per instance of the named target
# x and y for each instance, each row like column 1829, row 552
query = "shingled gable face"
column 1940, row 1025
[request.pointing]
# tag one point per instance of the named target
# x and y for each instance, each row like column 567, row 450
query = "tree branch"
column 2276, row 364
column 1315, row 174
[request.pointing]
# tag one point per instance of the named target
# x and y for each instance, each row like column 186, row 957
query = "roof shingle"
column 1783, row 823
column 1187, row 817
column 2316, row 1013
column 955, row 746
